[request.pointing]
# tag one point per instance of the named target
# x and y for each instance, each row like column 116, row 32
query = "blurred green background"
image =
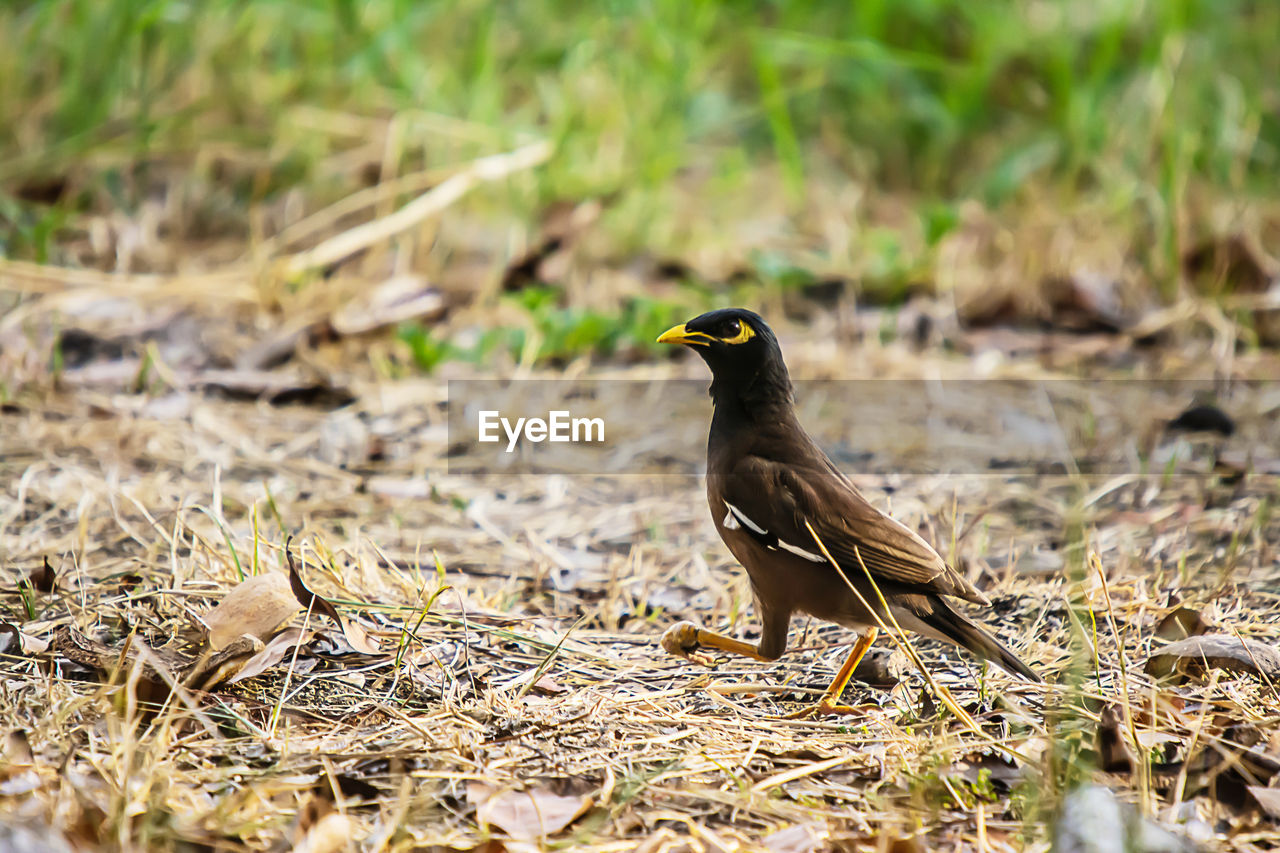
column 795, row 140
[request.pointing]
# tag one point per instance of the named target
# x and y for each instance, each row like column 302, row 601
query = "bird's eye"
column 731, row 329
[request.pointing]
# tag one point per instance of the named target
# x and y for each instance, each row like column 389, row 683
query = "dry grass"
column 535, row 665
column 518, row 615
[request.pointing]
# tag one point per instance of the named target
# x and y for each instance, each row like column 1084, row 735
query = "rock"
column 1094, row 821
column 1194, row 655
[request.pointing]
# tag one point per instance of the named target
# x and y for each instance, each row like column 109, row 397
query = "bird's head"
column 735, row 343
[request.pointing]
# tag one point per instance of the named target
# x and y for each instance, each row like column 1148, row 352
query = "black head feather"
column 742, row 352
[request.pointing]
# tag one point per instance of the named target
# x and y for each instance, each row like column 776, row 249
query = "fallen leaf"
column 525, row 815
column 1225, row 771
column 1180, row 623
column 17, row 749
column 548, row 685
column 11, row 638
column 1220, row 651
column 43, row 579
column 881, row 668
column 274, row 652
column 213, row 668
column 531, row 679
column 356, row 636
column 1268, row 799
column 17, row 770
column 1114, row 752
column 1244, row 734
column 258, row 606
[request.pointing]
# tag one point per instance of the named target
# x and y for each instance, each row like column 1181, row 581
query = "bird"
column 809, row 540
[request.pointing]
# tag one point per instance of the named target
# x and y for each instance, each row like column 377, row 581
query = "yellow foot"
column 824, row 708
column 681, row 640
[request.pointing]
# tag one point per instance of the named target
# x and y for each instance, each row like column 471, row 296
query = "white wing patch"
column 735, row 519
column 800, row 552
column 737, row 515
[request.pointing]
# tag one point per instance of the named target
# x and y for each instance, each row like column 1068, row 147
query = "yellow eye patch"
column 682, row 334
column 745, row 333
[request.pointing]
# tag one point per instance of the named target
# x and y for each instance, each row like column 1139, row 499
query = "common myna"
column 809, row 540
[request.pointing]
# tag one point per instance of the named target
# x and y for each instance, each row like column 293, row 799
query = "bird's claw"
column 826, row 707
column 681, row 640
column 823, row 708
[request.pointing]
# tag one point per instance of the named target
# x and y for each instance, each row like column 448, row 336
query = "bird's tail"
column 964, row 632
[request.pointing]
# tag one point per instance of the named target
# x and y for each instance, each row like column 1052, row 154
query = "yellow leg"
column 830, row 701
column 685, row 638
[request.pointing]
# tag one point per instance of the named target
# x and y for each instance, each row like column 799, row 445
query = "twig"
column 428, row 204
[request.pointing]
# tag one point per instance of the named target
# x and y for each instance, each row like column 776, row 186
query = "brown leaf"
column 530, row 679
column 213, row 668
column 1225, row 771
column 70, row 643
column 11, row 638
column 1268, row 799
column 1220, row 651
column 525, row 815
column 43, row 579
column 17, row 773
column 881, row 668
column 1114, row 754
column 17, row 749
column 258, row 606
column 274, row 652
column 1180, row 623
column 356, row 636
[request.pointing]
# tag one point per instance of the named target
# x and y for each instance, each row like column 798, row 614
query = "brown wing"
column 774, row 501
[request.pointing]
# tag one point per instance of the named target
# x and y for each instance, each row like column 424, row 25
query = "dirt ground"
column 510, row 692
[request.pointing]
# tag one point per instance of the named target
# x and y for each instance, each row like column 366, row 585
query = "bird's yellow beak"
column 681, row 335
